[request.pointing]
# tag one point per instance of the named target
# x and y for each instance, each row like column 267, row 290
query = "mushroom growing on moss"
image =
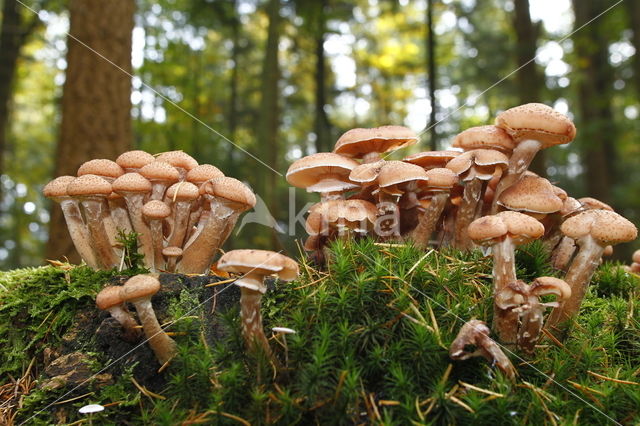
column 109, row 299
column 139, row 290
column 473, row 340
column 255, row 265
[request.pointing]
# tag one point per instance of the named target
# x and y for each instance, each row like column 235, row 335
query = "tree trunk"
column 96, row 105
column 597, row 133
column 431, row 77
column 270, row 113
column 634, row 16
column 529, row 81
column 322, row 125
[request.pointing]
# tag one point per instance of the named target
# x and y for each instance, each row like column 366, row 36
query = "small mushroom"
column 255, row 265
column 533, row 196
column 161, row 175
column 368, row 144
column 57, row 191
column 503, row 232
column 525, row 300
column 109, row 299
column 182, row 195
column 593, row 230
column 283, row 331
column 473, row 340
column 326, row 173
column 155, row 211
column 172, row 254
column 132, row 161
column 139, row 290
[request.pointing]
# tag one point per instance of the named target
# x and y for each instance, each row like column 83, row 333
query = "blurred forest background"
column 284, row 78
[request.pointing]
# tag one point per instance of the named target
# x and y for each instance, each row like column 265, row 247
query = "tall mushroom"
column 92, row 192
column 155, row 211
column 503, row 232
column 109, row 299
column 326, row 173
column 533, row 196
column 57, row 191
column 161, row 175
column 139, row 290
column 255, row 265
column 368, row 144
column 473, row 340
column 228, row 198
column 593, row 230
column 135, row 188
column 533, row 127
column 182, row 195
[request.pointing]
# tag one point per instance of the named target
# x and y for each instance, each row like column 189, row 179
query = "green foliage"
column 372, row 346
column 133, row 259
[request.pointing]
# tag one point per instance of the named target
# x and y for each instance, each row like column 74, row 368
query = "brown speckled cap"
column 485, row 137
column 172, row 251
column 101, row 167
column 367, row 174
column 263, row 262
column 532, row 195
column 230, row 189
column 359, row 142
column 88, row 185
column 183, row 191
column 156, row 209
column 202, row 173
column 131, row 183
column 441, row 178
column 340, row 213
column 322, row 172
column 478, row 164
column 636, row 256
column 178, row 159
column 431, row 159
column 539, row 122
column 604, row 226
column 394, row 173
column 57, row 188
column 160, row 171
column 589, row 203
column 522, row 228
column 487, row 229
column 134, row 160
column 550, row 285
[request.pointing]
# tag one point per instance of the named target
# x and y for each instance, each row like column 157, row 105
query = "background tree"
column 96, row 105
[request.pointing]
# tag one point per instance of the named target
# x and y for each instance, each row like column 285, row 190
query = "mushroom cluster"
column 181, row 211
column 477, row 193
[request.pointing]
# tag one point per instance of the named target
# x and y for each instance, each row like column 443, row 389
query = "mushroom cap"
column 160, row 171
column 283, row 330
column 531, row 194
column 91, row 408
column 485, row 137
column 231, row 190
column 487, row 229
column 202, row 173
column 472, row 333
column 398, row 173
column 138, row 287
column 604, row 226
column 367, row 174
column 109, row 297
column 431, row 159
column 101, row 167
column 522, row 228
column 322, row 172
column 354, row 214
column 183, row 191
column 560, row 193
column 156, row 209
column 89, row 185
column 542, row 286
column 589, row 203
column 636, row 256
column 570, row 206
column 441, row 178
column 539, row 122
column 359, row 142
column 179, row 159
column 262, row 262
column 57, row 188
column 131, row 183
column 172, row 251
column 134, row 159
column 478, row 164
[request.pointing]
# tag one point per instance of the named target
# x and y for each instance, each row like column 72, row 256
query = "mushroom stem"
column 252, row 330
column 129, row 325
column 119, row 215
column 519, row 162
column 135, row 203
column 421, row 235
column 578, row 276
column 181, row 215
column 163, row 346
column 466, row 213
column 155, row 226
column 94, row 214
column 79, row 232
column 562, row 254
column 505, row 321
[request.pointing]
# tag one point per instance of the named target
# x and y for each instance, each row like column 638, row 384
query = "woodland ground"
column 373, row 332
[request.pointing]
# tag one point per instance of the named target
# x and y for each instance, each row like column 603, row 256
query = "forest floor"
column 371, row 346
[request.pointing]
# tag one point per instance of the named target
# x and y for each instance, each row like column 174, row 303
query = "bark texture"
column 96, row 105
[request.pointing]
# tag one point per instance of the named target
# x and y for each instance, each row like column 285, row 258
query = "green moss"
column 371, row 346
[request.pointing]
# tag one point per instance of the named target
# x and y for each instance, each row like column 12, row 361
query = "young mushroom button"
column 109, row 299
column 255, row 265
column 139, row 290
